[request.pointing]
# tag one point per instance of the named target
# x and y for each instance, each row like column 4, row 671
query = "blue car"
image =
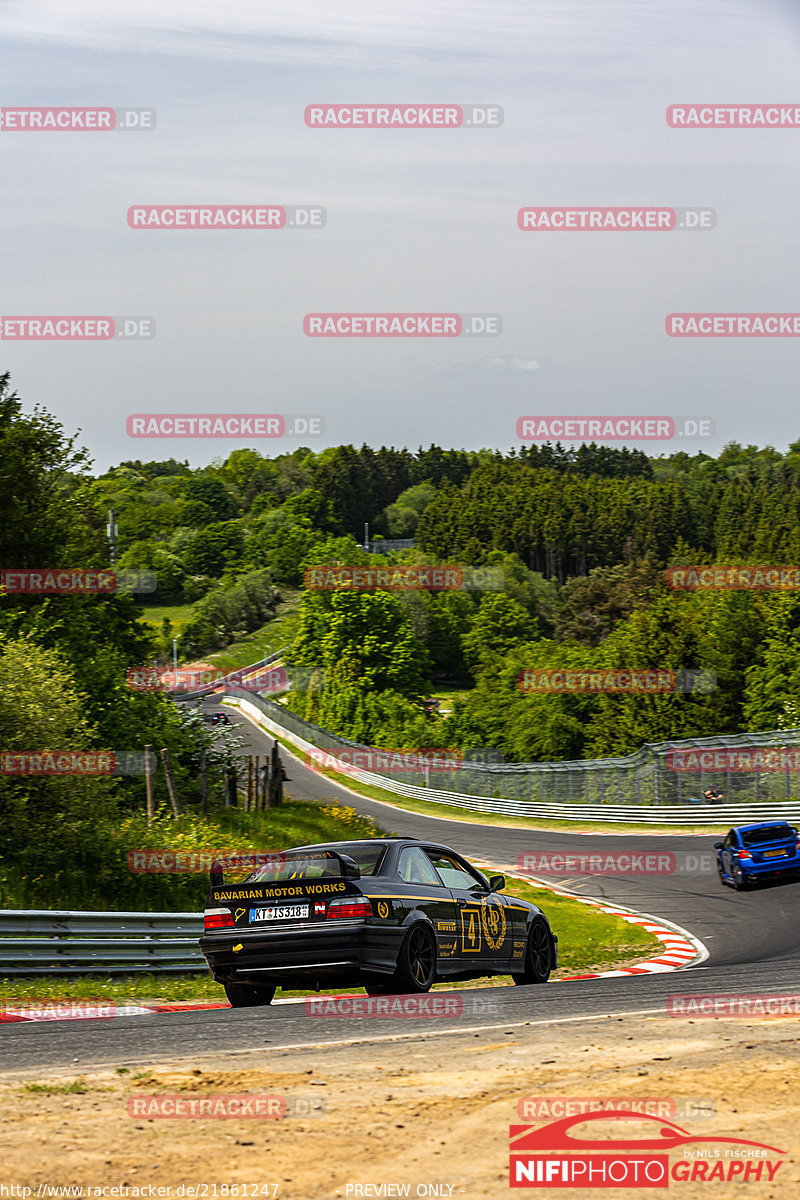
column 753, row 852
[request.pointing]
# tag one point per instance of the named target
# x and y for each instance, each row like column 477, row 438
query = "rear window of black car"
column 775, row 833
column 320, row 864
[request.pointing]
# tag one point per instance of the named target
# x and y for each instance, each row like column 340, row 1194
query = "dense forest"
column 582, row 538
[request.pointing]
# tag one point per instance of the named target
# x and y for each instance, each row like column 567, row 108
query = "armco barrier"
column 56, row 942
column 641, row 781
column 210, row 688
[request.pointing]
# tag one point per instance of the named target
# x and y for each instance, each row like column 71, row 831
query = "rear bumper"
column 772, row 866
column 345, row 951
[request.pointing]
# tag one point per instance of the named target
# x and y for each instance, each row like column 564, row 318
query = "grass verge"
column 101, row 878
column 276, row 633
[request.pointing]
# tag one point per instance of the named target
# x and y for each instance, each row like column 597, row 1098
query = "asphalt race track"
column 752, row 938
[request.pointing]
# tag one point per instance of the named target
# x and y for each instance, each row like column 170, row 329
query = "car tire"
column 416, row 963
column 739, row 879
column 378, row 987
column 244, row 995
column 538, row 961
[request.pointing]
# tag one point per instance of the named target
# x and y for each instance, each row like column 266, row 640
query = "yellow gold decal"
column 383, row 908
column 239, row 913
column 446, row 926
column 493, row 920
column 235, row 948
column 271, row 892
column 470, row 930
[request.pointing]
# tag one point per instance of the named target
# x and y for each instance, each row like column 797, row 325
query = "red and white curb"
column 681, row 948
column 103, row 1010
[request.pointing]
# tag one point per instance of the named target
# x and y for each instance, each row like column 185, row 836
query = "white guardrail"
column 66, row 942
column 715, row 816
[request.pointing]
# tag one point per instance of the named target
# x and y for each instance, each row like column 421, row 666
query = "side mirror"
column 497, row 883
column 718, row 845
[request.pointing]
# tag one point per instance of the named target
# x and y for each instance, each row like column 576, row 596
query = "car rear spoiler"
column 349, row 867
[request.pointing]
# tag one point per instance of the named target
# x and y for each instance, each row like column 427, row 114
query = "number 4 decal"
column 470, row 931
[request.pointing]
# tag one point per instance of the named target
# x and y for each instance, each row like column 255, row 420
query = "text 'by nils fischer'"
column 54, row 119
column 630, row 219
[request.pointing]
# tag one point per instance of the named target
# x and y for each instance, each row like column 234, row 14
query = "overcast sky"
column 417, row 220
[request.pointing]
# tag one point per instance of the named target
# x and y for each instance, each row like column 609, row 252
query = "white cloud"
column 508, row 364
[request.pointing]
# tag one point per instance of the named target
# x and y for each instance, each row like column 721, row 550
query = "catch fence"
column 758, row 775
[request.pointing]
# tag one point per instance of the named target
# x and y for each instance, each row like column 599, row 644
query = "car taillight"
column 349, row 908
column 218, row 918
column 743, row 854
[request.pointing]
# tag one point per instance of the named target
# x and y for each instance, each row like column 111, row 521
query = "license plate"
column 774, row 854
column 280, row 912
